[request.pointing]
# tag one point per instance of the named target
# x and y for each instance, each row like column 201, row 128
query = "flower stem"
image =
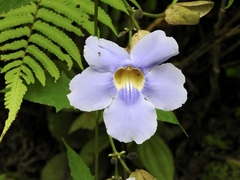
column 160, row 15
column 119, row 155
column 96, row 146
column 130, row 11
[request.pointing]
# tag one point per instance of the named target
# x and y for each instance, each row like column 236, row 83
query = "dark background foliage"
column 209, row 58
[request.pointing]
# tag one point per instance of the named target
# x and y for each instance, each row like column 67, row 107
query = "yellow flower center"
column 129, row 76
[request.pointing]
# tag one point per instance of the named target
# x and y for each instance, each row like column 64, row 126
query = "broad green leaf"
column 59, row 124
column 79, row 170
column 230, row 2
column 233, row 71
column 53, row 94
column 59, row 164
column 169, row 116
column 87, row 120
column 89, row 149
column 156, row 157
column 7, row 5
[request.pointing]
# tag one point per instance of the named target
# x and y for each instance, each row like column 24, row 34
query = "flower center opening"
column 129, row 76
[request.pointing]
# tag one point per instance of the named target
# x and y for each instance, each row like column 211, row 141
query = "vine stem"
column 160, row 15
column 98, row 116
column 118, row 155
column 130, row 11
column 96, row 17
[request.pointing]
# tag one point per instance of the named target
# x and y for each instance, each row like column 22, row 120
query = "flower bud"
column 138, row 14
column 136, row 37
column 132, row 155
column 113, row 160
column 141, row 174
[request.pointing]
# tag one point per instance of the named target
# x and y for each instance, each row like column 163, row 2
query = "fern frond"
column 11, row 56
column 60, row 38
column 10, row 75
column 71, row 12
column 28, row 9
column 11, row 65
column 36, row 68
column 31, row 34
column 103, row 17
column 28, row 73
column 58, row 20
column 117, row 4
column 14, row 33
column 51, row 47
column 13, row 21
column 14, row 45
column 13, row 100
column 44, row 59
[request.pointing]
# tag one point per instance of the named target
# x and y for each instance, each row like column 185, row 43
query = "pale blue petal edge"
column 153, row 49
column 104, row 55
column 91, row 90
column 164, row 87
column 136, row 122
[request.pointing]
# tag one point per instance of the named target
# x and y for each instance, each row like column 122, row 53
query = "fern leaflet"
column 117, row 4
column 32, row 37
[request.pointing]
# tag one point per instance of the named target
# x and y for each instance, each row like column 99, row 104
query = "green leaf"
column 11, row 65
column 59, row 164
column 89, row 149
column 13, row 98
column 230, row 2
column 135, row 3
column 53, row 94
column 169, row 116
column 36, row 68
column 79, row 170
column 60, row 38
column 87, row 120
column 233, row 71
column 12, row 4
column 174, row 2
column 117, row 4
column 47, row 44
column 156, row 157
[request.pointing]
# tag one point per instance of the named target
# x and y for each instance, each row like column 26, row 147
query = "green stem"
column 118, row 155
column 161, row 15
column 96, row 17
column 96, row 146
column 96, row 127
column 130, row 11
column 112, row 145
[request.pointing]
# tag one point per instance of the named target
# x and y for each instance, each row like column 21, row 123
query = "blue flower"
column 129, row 85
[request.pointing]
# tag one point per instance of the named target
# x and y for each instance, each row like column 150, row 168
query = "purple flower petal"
column 153, row 49
column 104, row 55
column 164, row 87
column 91, row 90
column 136, row 122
